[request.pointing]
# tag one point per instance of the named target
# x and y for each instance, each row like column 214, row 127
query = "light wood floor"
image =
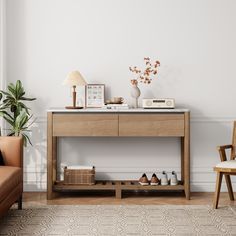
column 134, row 198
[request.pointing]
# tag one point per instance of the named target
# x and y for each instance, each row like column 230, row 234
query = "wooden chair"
column 226, row 168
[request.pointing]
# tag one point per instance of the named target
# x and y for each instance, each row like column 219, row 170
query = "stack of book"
column 116, row 106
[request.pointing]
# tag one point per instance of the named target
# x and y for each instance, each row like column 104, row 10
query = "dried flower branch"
column 146, row 75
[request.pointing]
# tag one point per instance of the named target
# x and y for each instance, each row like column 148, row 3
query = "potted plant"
column 14, row 110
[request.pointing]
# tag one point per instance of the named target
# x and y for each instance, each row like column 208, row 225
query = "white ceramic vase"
column 135, row 93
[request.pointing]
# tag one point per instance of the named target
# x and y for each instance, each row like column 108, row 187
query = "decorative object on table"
column 113, row 106
column 135, row 92
column 143, row 76
column 84, row 175
column 164, row 103
column 115, row 100
column 14, row 110
column 95, row 95
column 74, row 79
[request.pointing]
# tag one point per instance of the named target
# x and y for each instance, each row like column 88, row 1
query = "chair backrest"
column 233, row 152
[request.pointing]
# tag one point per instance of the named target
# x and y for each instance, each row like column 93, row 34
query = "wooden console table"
column 114, row 123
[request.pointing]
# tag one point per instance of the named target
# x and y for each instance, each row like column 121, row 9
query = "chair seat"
column 231, row 164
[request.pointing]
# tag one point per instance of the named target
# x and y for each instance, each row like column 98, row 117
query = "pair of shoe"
column 144, row 180
column 173, row 179
column 155, row 181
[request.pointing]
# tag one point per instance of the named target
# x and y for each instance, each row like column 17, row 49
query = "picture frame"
column 95, row 95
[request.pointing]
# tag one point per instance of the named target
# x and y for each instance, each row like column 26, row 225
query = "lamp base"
column 72, row 107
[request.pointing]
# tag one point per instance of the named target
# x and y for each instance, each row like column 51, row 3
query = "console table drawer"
column 151, row 125
column 85, row 125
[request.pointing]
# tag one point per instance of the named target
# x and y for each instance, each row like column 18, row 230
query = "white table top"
column 131, row 110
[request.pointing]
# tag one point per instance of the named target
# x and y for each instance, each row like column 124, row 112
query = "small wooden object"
column 74, row 100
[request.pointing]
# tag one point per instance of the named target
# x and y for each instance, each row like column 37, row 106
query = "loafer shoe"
column 144, row 180
column 154, row 180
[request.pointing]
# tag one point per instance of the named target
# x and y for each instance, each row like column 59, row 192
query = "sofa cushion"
column 1, row 159
column 10, row 177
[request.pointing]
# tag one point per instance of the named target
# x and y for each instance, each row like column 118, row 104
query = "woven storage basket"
column 83, row 177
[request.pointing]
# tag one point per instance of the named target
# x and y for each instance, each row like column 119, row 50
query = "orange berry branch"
column 145, row 75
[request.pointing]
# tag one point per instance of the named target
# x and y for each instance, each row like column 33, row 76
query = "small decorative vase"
column 135, row 92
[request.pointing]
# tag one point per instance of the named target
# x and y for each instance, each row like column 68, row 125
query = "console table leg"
column 187, row 155
column 182, row 159
column 118, row 193
column 51, row 158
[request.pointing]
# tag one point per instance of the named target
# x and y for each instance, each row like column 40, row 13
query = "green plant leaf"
column 5, row 93
column 11, row 88
column 27, row 99
column 27, row 139
column 2, row 113
column 32, row 122
column 24, row 106
column 13, row 108
column 11, row 122
column 10, row 98
column 18, row 87
column 21, row 92
column 5, row 100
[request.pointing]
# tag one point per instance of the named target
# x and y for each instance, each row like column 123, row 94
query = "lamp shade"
column 74, row 78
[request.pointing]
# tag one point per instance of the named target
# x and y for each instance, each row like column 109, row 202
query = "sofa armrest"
column 12, row 151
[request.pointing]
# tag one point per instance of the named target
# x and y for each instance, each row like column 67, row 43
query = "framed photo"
column 95, row 95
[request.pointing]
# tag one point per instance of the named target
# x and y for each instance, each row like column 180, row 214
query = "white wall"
column 194, row 41
column 2, row 50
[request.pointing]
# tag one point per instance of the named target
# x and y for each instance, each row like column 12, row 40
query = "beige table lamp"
column 74, row 79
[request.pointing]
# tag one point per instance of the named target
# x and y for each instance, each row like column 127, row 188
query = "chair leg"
column 20, row 203
column 229, row 186
column 217, row 191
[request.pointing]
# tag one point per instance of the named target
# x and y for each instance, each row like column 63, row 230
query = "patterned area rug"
column 120, row 220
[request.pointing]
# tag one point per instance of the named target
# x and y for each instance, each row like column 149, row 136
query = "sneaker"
column 154, row 180
column 164, row 178
column 144, row 180
column 173, row 178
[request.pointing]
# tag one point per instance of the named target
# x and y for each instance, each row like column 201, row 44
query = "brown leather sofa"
column 11, row 174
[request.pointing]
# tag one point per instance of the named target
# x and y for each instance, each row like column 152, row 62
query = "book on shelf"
column 116, row 106
column 78, row 167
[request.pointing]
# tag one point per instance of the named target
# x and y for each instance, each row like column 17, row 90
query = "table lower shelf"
column 117, row 186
